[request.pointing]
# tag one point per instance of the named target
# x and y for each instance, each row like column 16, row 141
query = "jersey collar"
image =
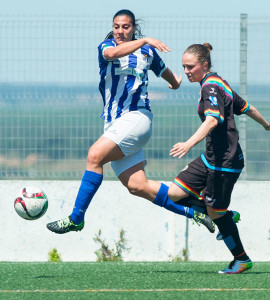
column 206, row 76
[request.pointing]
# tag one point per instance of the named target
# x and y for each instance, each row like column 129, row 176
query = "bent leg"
column 135, row 180
column 176, row 193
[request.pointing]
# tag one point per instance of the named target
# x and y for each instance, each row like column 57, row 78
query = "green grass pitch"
column 131, row 280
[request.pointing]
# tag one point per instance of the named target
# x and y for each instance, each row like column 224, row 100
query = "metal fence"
column 50, row 104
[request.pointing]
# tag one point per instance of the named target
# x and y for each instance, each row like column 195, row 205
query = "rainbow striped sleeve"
column 245, row 109
column 214, row 113
column 220, row 83
column 186, row 188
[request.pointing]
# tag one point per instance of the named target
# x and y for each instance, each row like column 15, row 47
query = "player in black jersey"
column 211, row 176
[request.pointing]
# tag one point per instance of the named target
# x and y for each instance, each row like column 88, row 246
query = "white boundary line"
column 136, row 290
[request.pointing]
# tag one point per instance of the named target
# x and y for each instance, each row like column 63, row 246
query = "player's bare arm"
column 129, row 47
column 172, row 78
column 181, row 149
column 254, row 114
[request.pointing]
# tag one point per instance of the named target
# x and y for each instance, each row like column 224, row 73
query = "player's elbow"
column 109, row 57
column 109, row 54
column 252, row 109
column 212, row 122
column 215, row 122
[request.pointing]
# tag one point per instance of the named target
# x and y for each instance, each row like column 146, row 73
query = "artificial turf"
column 131, row 280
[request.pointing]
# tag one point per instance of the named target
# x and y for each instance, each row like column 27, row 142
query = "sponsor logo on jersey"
column 129, row 71
column 212, row 91
column 209, row 199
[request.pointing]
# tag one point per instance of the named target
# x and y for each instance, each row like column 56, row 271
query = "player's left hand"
column 179, row 149
column 267, row 127
column 178, row 80
column 162, row 47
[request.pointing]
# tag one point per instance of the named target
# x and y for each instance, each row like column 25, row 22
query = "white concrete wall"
column 153, row 233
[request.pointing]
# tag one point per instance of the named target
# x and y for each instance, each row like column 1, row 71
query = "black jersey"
column 223, row 152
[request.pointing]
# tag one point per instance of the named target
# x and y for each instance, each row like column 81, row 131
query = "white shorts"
column 130, row 132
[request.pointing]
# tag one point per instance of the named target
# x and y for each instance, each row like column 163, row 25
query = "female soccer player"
column 216, row 171
column 124, row 62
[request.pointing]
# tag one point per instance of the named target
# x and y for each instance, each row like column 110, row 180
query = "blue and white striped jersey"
column 123, row 81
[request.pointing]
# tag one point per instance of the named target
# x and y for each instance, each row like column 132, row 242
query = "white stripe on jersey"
column 124, row 81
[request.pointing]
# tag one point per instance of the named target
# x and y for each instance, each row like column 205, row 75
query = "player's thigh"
column 175, row 193
column 218, row 191
column 190, row 181
column 135, row 180
column 134, row 175
column 103, row 151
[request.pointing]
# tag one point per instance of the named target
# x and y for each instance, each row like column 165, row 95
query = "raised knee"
column 93, row 157
column 134, row 189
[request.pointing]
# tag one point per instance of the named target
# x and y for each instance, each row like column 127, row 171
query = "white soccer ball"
column 31, row 203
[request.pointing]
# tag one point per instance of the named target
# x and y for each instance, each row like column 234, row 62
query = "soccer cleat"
column 64, row 226
column 201, row 218
column 237, row 266
column 236, row 219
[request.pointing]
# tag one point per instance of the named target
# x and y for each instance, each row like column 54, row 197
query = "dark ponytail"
column 109, row 36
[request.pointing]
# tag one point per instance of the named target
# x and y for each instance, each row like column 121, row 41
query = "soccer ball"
column 31, row 203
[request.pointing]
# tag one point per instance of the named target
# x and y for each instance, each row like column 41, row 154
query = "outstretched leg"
column 103, row 151
column 135, row 180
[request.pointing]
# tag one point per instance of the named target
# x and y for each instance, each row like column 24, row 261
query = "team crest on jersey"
column 213, row 100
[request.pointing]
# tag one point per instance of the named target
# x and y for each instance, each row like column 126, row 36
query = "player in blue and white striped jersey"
column 124, row 81
column 124, row 63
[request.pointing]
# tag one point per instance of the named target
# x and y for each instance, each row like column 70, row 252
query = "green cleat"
column 201, row 218
column 64, row 226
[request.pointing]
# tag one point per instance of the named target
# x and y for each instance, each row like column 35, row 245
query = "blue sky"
column 141, row 8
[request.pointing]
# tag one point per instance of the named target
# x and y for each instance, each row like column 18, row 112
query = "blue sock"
column 163, row 200
column 89, row 185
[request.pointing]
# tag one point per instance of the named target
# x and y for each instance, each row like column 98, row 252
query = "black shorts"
column 213, row 187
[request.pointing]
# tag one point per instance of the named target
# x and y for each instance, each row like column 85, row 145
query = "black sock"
column 231, row 237
column 194, row 203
